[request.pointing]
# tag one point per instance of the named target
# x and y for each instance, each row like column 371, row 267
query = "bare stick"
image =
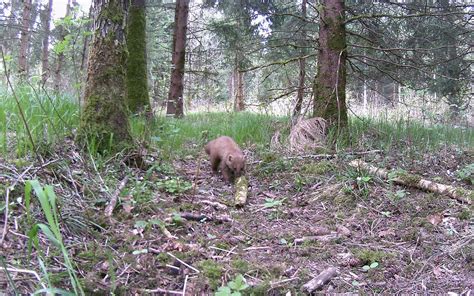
column 182, row 262
column 320, row 280
column 5, row 222
column 462, row 195
column 201, row 217
column 159, row 290
column 185, row 282
column 113, row 200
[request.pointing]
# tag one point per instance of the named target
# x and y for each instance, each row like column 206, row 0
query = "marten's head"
column 236, row 163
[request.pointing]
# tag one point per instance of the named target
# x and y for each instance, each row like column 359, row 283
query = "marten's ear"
column 229, row 157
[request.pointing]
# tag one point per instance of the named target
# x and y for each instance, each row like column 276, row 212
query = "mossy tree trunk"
column 330, row 82
column 137, row 80
column 104, row 119
column 174, row 105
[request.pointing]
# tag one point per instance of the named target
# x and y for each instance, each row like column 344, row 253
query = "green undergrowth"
column 176, row 137
column 49, row 120
column 406, row 134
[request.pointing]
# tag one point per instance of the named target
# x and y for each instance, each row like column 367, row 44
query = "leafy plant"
column 271, row 203
column 48, row 199
column 174, row 185
column 371, row 266
column 233, row 288
column 466, row 173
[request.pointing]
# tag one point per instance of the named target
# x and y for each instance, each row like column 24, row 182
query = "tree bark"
column 302, row 64
column 45, row 49
column 60, row 56
column 175, row 95
column 137, row 79
column 24, row 39
column 104, row 120
column 330, row 82
column 239, row 103
column 85, row 46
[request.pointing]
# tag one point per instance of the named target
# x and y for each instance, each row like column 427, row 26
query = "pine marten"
column 226, row 155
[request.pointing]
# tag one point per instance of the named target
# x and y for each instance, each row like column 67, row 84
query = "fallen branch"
column 214, row 204
column 203, row 217
column 320, row 280
column 113, row 200
column 407, row 179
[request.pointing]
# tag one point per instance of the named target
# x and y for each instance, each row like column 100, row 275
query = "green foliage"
column 212, row 271
column 180, row 136
column 466, row 173
column 272, row 203
column 50, row 120
column 405, row 135
column 174, row 185
column 369, row 257
column 48, row 202
column 233, row 288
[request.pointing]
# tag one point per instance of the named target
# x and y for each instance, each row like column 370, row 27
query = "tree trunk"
column 137, row 80
column 239, row 103
column 24, row 39
column 104, row 120
column 60, row 57
column 302, row 62
column 175, row 95
column 45, row 51
column 330, row 83
column 85, row 46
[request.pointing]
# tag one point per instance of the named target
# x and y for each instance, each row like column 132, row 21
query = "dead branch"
column 460, row 194
column 214, row 204
column 113, row 200
column 203, row 217
column 320, row 280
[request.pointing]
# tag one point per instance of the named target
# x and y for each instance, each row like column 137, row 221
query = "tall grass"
column 407, row 134
column 174, row 136
column 49, row 119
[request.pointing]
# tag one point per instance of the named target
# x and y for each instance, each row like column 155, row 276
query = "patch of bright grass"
column 177, row 136
column 410, row 134
column 49, row 120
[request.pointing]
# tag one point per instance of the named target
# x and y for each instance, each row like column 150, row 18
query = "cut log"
column 241, row 191
column 320, row 280
column 404, row 178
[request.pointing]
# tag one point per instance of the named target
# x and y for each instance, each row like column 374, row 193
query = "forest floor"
column 303, row 215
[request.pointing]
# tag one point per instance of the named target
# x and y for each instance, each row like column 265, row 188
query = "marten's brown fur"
column 226, row 155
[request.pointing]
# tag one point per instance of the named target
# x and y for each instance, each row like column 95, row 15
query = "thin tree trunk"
column 60, row 57
column 175, row 95
column 330, row 83
column 104, row 120
column 85, row 47
column 45, row 50
column 302, row 64
column 24, row 39
column 137, row 79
